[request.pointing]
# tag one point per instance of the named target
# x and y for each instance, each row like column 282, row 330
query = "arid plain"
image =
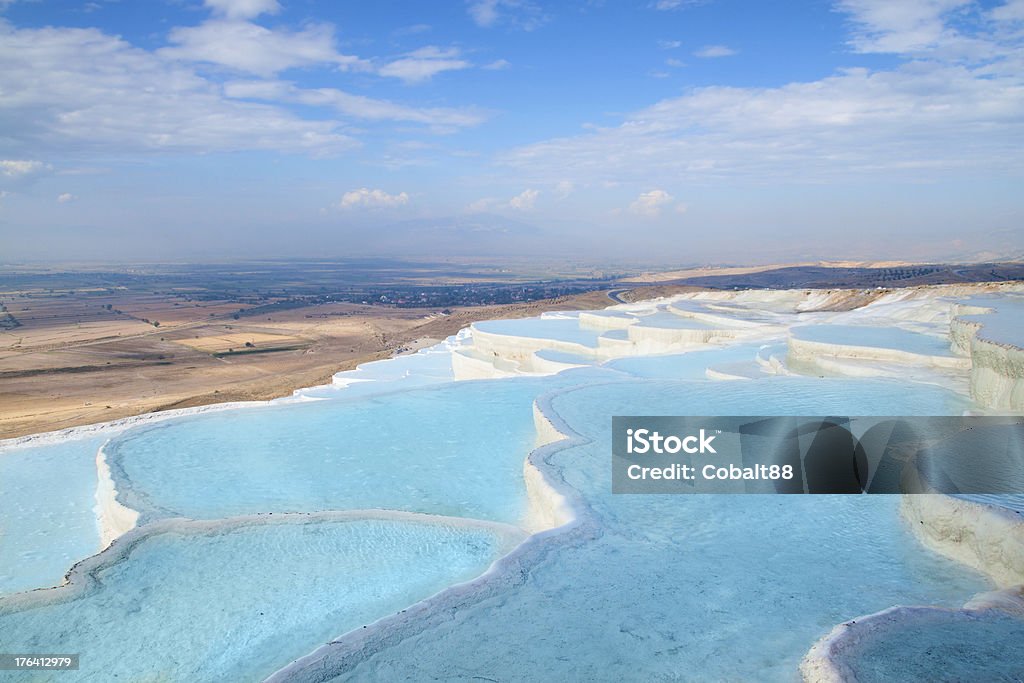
column 82, row 357
column 80, row 345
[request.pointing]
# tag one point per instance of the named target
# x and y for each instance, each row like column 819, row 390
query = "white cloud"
column 66, row 197
column 424, row 63
column 80, row 89
column 564, row 188
column 712, row 51
column 521, row 14
column 413, row 30
column 675, row 63
column 15, row 168
column 899, row 27
column 525, row 200
column 1011, row 11
column 484, row 12
column 498, row 65
column 650, row 204
column 243, row 9
column 71, row 91
column 483, row 204
column 248, row 47
column 919, row 120
column 358, row 106
column 372, row 199
column 670, row 44
column 666, row 5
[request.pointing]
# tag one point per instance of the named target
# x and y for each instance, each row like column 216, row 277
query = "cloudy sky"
column 664, row 130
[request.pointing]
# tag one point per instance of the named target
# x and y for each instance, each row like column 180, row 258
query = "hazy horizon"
column 511, row 263
column 665, row 132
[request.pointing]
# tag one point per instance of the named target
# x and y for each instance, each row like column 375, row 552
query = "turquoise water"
column 425, row 368
column 414, row 450
column 47, row 523
column 951, row 648
column 565, row 357
column 1005, row 324
column 561, row 329
column 237, row 604
column 690, row 365
column 674, row 322
column 881, row 337
column 720, row 309
column 620, row 316
column 670, row 587
column 690, row 587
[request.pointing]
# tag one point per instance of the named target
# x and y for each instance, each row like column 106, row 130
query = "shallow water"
column 678, row 587
column 239, row 603
column 426, row 367
column 674, row 322
column 47, row 522
column 565, row 357
column 560, row 329
column 414, row 451
column 1005, row 324
column 708, row 587
column 956, row 649
column 880, row 337
column 692, row 365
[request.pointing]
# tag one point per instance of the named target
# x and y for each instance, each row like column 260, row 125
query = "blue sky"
column 658, row 130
